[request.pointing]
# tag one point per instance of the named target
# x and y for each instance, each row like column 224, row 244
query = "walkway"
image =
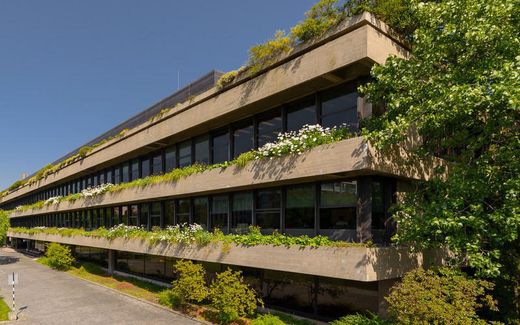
column 55, row 297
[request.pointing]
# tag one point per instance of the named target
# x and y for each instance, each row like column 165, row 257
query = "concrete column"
column 364, row 210
column 111, row 261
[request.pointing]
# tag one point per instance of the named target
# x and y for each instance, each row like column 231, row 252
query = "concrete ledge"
column 364, row 264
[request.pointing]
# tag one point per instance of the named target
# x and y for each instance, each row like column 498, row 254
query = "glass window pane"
column 299, row 212
column 268, row 199
column 102, row 178
column 300, row 114
column 338, row 205
column 109, row 177
column 125, row 170
column 200, row 211
column 117, row 175
column 157, row 164
column 168, row 213
column 242, row 211
column 145, row 167
column 269, row 128
column 183, row 211
column 185, row 154
column 219, row 211
column 108, row 218
column 133, row 215
column 220, row 148
column 268, row 204
column 155, row 216
column 145, row 212
column 124, row 215
column 116, row 216
column 170, row 159
column 243, row 140
column 339, row 106
column 202, row 150
column 268, row 219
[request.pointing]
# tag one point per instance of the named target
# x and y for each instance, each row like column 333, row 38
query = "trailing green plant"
column 322, row 16
column 58, row 257
column 226, row 79
column 190, row 285
column 232, row 297
column 193, row 234
column 440, row 296
column 361, row 319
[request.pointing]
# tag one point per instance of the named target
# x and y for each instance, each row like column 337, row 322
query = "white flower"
column 97, row 190
column 52, row 200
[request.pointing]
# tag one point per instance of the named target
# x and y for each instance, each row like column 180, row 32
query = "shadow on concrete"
column 4, row 260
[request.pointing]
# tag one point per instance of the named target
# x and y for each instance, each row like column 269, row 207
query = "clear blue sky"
column 71, row 69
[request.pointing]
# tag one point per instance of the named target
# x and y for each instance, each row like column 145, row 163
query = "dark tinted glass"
column 185, row 154
column 220, row 148
column 219, row 211
column 133, row 216
column 170, row 158
column 299, row 213
column 157, row 164
column 200, row 211
column 125, row 173
column 143, row 217
column 155, row 215
column 145, row 167
column 242, row 211
column 339, row 106
column 183, row 211
column 242, row 140
column 134, row 172
column 269, row 128
column 124, row 215
column 169, row 208
column 300, row 114
column 268, row 208
column 202, row 150
column 338, row 205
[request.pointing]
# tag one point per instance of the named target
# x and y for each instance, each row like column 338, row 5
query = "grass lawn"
column 4, row 310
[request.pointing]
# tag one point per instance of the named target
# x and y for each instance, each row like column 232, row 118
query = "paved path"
column 54, row 297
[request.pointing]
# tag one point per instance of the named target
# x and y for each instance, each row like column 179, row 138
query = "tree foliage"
column 4, row 226
column 460, row 89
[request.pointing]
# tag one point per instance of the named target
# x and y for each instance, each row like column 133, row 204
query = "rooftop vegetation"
column 308, row 137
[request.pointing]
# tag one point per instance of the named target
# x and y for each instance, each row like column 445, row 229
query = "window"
column 219, row 211
column 109, row 176
column 339, row 106
column 338, row 205
column 157, row 164
column 168, row 213
column 220, row 148
column 269, row 127
column 200, row 211
column 108, row 218
column 299, row 208
column 134, row 169
column 94, row 181
column 155, row 215
column 88, row 219
column 185, row 154
column 117, row 175
column 101, row 218
column 300, row 114
column 145, row 167
column 133, row 215
column 243, row 140
column 144, row 214
column 202, row 150
column 102, row 178
column 268, row 208
column 382, row 198
column 170, row 159
column 124, row 215
column 242, row 211
column 125, row 173
column 116, row 216
column 183, row 211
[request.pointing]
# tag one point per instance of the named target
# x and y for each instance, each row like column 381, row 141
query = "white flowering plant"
column 295, row 142
column 53, row 200
column 96, row 190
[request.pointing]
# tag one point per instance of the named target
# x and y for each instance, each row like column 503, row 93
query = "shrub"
column 169, row 298
column 438, row 297
column 191, row 284
column 58, row 257
column 267, row 319
column 360, row 319
column 4, row 226
column 231, row 296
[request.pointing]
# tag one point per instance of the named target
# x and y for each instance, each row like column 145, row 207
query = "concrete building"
column 341, row 190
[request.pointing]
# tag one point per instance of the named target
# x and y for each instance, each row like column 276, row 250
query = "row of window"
column 325, row 205
column 333, row 107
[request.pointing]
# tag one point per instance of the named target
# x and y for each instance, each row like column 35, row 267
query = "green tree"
column 191, row 284
column 58, row 257
column 4, row 226
column 460, row 89
column 231, row 296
